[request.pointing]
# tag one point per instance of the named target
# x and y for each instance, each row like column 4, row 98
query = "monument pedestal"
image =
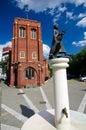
column 60, row 118
column 45, row 120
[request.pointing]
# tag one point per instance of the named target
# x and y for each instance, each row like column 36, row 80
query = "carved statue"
column 57, row 46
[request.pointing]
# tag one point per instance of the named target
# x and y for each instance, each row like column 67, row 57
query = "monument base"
column 45, row 120
column 60, row 120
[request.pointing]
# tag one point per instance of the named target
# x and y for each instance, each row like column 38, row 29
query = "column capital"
column 61, row 62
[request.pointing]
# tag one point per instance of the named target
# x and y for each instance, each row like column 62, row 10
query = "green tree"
column 50, row 69
column 4, row 65
column 77, row 65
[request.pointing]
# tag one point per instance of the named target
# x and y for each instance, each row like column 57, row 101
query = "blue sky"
column 69, row 14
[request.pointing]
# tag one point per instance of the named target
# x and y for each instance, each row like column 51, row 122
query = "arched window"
column 33, row 34
column 30, row 73
column 22, row 32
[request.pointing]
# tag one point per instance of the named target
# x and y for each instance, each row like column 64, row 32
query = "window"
column 22, row 54
column 30, row 73
column 22, row 32
column 33, row 55
column 33, row 34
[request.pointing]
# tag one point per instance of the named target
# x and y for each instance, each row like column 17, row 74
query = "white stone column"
column 62, row 119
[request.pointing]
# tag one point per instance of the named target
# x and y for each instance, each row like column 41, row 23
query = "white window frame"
column 34, row 55
column 22, row 54
column 22, row 32
column 33, row 34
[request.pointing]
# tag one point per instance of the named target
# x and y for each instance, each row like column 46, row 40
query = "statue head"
column 55, row 26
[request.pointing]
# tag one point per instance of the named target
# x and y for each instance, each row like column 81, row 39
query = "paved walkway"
column 19, row 104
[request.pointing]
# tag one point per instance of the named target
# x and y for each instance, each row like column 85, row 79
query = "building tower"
column 27, row 63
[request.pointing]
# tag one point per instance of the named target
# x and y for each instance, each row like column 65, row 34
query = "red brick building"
column 6, row 50
column 27, row 63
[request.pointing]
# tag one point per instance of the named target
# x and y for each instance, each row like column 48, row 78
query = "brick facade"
column 27, row 63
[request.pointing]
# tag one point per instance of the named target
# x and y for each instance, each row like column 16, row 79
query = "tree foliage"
column 77, row 65
column 4, row 65
column 50, row 70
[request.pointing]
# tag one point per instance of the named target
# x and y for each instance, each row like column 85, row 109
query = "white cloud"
column 62, row 9
column 37, row 5
column 70, row 15
column 81, row 15
column 82, row 22
column 4, row 45
column 56, row 17
column 51, row 12
column 53, row 7
column 80, row 43
column 46, row 50
column 79, row 2
column 84, row 35
column 41, row 5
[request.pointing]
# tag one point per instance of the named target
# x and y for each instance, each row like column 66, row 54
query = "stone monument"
column 57, row 45
column 64, row 118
